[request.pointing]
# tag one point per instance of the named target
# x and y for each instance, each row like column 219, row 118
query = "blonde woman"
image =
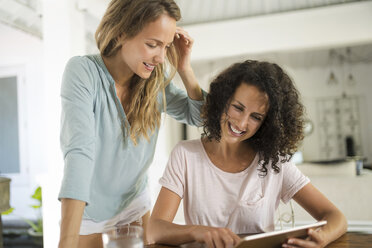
column 111, row 107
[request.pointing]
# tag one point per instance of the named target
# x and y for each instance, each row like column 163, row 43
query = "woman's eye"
column 151, row 45
column 257, row 118
column 238, row 108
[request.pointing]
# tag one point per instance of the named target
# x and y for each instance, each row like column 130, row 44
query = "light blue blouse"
column 101, row 167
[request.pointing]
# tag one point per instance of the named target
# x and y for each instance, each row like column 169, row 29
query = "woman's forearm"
column 161, row 231
column 191, row 84
column 72, row 213
column 316, row 204
column 336, row 226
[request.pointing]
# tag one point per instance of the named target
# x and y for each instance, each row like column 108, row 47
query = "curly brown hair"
column 282, row 130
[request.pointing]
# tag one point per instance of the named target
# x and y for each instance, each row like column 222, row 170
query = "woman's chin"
column 144, row 75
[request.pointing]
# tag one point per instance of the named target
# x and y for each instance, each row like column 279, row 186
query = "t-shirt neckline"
column 214, row 167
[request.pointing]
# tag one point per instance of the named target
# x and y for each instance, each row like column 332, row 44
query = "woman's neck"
column 232, row 150
column 229, row 157
column 119, row 70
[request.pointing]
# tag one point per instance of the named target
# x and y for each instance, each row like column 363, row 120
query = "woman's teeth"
column 235, row 130
column 151, row 67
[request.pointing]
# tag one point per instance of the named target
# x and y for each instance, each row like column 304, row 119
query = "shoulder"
column 188, row 145
column 187, row 148
column 289, row 170
column 76, row 60
column 81, row 71
column 185, row 155
column 285, row 164
column 285, row 167
column 80, row 64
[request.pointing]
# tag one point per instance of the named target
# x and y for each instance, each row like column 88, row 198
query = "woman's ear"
column 121, row 39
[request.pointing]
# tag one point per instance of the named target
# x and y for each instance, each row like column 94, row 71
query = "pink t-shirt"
column 243, row 202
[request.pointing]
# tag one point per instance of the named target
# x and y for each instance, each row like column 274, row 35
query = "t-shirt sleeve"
column 183, row 108
column 174, row 174
column 77, row 136
column 293, row 181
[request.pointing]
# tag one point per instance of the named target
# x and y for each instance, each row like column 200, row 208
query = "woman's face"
column 245, row 114
column 148, row 48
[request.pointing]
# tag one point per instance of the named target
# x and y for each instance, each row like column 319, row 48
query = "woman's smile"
column 235, row 131
column 149, row 67
column 245, row 114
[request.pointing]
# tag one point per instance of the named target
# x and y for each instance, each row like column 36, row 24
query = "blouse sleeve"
column 174, row 174
column 183, row 108
column 293, row 181
column 77, row 129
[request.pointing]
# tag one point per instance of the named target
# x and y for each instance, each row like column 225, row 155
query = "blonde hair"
column 129, row 17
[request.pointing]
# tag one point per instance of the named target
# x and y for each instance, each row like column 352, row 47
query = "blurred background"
column 324, row 45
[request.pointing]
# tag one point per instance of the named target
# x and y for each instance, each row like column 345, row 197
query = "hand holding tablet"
column 277, row 238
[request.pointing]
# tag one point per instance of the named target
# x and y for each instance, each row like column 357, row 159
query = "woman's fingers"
column 183, row 44
column 235, row 237
column 313, row 240
column 228, row 241
column 220, row 238
column 294, row 242
column 227, row 237
column 208, row 240
column 182, row 34
column 315, row 236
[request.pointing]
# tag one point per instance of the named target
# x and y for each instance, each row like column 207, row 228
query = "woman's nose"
column 160, row 57
column 243, row 123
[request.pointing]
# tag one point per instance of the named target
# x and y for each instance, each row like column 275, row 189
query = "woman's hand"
column 215, row 237
column 183, row 43
column 315, row 239
column 321, row 209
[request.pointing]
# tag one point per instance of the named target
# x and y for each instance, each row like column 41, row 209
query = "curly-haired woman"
column 233, row 178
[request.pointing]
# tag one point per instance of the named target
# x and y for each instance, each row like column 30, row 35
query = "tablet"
column 276, row 238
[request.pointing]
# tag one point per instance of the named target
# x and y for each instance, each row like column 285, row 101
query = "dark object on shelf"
column 1, row 233
column 4, row 202
column 184, row 132
column 21, row 241
column 359, row 162
column 367, row 166
column 330, row 162
column 16, row 235
column 4, row 193
column 350, row 146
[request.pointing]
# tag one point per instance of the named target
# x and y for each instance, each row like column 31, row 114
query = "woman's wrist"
column 70, row 241
column 185, row 71
column 191, row 84
column 192, row 232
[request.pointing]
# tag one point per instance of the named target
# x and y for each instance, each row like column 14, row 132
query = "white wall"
column 345, row 183
column 332, row 26
column 312, row 83
column 311, row 80
column 21, row 54
column 63, row 37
